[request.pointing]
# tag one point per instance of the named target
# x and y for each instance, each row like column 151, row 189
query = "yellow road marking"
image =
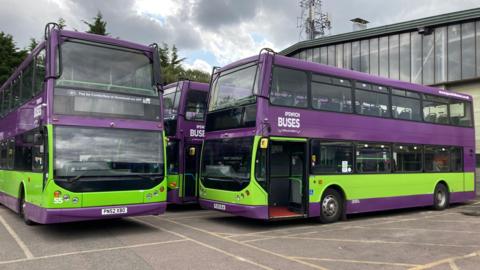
column 357, row 261
column 15, row 236
column 93, row 251
column 443, row 261
column 413, row 229
column 379, row 242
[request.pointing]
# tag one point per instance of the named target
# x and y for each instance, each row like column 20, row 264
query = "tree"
column 10, row 56
column 172, row 70
column 33, row 45
column 170, row 63
column 61, row 23
column 98, row 26
column 196, row 75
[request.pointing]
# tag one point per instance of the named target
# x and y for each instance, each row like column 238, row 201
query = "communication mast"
column 313, row 22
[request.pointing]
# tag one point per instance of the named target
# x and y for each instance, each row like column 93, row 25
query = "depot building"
column 441, row 51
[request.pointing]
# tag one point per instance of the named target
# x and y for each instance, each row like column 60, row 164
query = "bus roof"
column 192, row 84
column 350, row 74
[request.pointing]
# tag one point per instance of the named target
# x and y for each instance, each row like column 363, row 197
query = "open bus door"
column 192, row 160
column 287, row 179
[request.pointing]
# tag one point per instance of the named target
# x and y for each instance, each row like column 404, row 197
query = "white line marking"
column 19, row 241
column 94, row 250
column 204, row 244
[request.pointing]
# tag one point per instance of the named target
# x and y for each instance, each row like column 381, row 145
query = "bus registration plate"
column 219, row 206
column 114, row 211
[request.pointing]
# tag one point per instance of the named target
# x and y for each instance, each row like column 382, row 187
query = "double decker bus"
column 287, row 138
column 81, row 131
column 185, row 104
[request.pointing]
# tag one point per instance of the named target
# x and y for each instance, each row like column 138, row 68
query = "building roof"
column 442, row 19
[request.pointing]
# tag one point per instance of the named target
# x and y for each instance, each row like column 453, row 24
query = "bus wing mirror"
column 192, row 151
column 264, row 143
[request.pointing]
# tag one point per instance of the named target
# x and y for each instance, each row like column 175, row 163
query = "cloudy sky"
column 209, row 32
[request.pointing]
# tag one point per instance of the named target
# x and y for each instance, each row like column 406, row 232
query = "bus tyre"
column 21, row 212
column 331, row 206
column 440, row 197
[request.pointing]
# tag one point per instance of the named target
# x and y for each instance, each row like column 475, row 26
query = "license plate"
column 114, row 211
column 219, row 206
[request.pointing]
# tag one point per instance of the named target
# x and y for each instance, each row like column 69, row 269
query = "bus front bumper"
column 249, row 211
column 46, row 216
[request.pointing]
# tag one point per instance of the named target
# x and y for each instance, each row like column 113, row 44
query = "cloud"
column 200, row 65
column 227, row 29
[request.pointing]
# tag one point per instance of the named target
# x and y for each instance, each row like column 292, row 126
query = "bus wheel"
column 21, row 209
column 440, row 197
column 331, row 206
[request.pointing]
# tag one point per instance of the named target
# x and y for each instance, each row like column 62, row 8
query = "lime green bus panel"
column 366, row 186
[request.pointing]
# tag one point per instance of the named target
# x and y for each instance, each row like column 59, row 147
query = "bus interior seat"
column 442, row 119
column 431, row 117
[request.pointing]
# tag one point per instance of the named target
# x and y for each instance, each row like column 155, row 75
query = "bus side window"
column 38, row 152
column 261, row 166
column 10, row 153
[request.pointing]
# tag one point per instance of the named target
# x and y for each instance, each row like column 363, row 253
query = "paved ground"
column 189, row 238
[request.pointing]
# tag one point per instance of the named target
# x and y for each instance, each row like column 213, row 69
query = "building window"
column 331, row 55
column 394, row 57
column 323, row 55
column 356, row 55
column 331, row 157
column 405, row 57
column 316, row 55
column 364, row 56
column 383, row 49
column 406, row 105
column 289, row 88
column 347, row 56
column 339, row 55
column 374, row 56
column 440, row 54
column 454, row 52
column 428, row 56
column 435, row 109
column 478, row 47
column 407, row 158
column 468, row 50
column 416, row 60
column 436, row 159
column 372, row 158
column 331, row 94
column 371, row 100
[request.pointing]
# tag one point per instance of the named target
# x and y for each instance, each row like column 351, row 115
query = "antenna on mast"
column 313, row 22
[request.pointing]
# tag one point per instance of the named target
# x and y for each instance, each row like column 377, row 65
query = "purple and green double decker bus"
column 81, row 131
column 185, row 104
column 287, row 138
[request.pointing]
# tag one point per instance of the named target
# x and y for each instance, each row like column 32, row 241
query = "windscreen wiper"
column 75, row 178
column 152, row 178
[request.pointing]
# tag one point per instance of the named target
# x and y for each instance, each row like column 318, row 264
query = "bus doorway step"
column 281, row 212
